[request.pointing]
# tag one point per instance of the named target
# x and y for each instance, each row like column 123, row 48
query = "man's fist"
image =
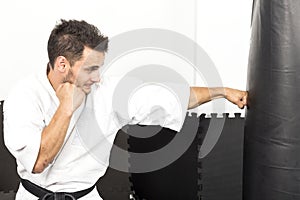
column 70, row 96
column 237, row 97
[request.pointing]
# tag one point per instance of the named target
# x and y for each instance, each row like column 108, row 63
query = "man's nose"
column 96, row 77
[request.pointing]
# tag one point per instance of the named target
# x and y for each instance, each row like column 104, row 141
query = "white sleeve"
column 158, row 105
column 23, row 124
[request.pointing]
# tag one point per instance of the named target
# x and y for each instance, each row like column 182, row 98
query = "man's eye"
column 91, row 69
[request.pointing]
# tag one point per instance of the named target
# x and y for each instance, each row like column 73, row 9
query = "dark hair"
column 69, row 38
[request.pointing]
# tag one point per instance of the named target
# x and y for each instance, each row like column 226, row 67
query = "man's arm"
column 53, row 135
column 200, row 95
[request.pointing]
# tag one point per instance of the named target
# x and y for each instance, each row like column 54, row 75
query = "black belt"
column 44, row 194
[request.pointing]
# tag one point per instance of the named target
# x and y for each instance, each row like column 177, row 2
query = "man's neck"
column 54, row 80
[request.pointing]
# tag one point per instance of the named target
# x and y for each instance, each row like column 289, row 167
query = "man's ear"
column 61, row 64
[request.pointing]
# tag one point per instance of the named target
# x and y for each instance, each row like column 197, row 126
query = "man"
column 46, row 114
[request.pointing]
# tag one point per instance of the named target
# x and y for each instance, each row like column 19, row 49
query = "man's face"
column 85, row 72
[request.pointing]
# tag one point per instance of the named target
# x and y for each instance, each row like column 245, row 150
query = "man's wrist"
column 225, row 92
column 66, row 110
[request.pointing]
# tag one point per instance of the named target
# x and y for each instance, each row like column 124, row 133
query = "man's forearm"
column 52, row 139
column 200, row 95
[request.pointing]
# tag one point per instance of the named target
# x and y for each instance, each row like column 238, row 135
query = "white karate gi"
column 30, row 107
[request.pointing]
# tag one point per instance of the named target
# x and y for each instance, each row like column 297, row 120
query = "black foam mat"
column 9, row 180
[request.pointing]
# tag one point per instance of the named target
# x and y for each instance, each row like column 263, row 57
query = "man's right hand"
column 70, row 96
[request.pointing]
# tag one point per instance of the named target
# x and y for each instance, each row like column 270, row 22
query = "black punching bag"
column 272, row 126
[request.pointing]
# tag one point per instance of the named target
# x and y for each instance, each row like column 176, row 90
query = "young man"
column 46, row 114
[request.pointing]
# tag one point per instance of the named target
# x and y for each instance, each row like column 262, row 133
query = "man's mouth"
column 88, row 85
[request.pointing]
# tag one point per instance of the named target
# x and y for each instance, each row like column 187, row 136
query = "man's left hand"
column 237, row 97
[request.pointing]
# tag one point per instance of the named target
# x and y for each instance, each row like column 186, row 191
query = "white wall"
column 221, row 27
column 223, row 30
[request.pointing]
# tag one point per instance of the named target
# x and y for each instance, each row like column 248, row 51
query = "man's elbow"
column 192, row 105
column 39, row 167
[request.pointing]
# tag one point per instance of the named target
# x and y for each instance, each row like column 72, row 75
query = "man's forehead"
column 94, row 58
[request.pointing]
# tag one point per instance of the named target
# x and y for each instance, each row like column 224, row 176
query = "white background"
column 221, row 28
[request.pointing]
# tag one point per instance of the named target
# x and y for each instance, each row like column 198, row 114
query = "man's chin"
column 86, row 89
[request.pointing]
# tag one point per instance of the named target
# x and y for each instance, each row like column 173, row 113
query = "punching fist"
column 237, row 97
